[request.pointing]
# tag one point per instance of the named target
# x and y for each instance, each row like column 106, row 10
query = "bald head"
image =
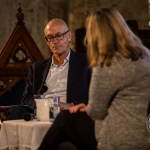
column 58, row 37
column 52, row 24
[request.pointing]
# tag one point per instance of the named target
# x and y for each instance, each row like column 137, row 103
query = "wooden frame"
column 17, row 54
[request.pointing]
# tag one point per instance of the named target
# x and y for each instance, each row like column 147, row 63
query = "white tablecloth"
column 22, row 135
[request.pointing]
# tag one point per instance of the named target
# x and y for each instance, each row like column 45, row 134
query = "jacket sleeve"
column 105, row 83
column 27, row 97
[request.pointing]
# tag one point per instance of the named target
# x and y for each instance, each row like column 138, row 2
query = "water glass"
column 54, row 102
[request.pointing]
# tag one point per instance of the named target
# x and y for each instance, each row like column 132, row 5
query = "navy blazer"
column 78, row 82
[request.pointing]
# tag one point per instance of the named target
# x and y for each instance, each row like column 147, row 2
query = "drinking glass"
column 54, row 102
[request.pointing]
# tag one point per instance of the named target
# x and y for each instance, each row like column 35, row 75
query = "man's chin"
column 56, row 52
column 59, row 53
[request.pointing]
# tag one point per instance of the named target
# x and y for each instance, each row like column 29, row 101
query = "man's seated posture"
column 65, row 73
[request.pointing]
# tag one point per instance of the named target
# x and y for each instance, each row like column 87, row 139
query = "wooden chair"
column 17, row 54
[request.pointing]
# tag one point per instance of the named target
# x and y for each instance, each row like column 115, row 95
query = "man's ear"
column 69, row 36
column 47, row 43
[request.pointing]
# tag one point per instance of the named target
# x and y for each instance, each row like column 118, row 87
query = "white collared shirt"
column 56, row 80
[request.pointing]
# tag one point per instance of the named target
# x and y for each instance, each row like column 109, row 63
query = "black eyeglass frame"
column 60, row 34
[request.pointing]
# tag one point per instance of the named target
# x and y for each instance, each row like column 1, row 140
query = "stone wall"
column 38, row 12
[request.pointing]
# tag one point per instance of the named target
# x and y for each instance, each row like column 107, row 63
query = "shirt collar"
column 65, row 60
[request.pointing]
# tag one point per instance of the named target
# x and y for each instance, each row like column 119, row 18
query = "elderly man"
column 65, row 73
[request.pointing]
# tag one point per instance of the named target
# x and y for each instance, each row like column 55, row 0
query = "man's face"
column 57, row 41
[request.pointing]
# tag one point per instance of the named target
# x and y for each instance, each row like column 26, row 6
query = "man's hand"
column 81, row 107
column 64, row 106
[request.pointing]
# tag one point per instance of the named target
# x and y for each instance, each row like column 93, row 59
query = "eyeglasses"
column 59, row 36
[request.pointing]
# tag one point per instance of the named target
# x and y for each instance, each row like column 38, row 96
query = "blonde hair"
column 109, row 36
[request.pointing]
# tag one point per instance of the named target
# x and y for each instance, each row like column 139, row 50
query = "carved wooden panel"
column 18, row 53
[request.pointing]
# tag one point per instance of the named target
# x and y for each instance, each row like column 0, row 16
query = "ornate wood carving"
column 17, row 55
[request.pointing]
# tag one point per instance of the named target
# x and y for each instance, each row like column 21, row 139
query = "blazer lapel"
column 43, row 70
column 46, row 67
column 74, row 62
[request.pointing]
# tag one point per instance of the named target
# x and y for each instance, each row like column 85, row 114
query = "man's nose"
column 54, row 40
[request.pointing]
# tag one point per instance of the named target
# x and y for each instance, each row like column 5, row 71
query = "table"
column 22, row 135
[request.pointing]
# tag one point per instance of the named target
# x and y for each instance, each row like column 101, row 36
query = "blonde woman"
column 119, row 90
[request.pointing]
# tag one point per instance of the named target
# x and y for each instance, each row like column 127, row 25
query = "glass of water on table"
column 54, row 102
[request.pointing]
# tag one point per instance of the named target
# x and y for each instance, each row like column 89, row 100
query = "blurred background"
column 38, row 12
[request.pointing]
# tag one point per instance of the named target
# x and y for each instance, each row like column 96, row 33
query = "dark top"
column 79, row 76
